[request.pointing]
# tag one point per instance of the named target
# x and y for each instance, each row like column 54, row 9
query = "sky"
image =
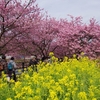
column 87, row 9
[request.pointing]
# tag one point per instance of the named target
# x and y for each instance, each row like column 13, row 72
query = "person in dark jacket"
column 3, row 63
column 33, row 61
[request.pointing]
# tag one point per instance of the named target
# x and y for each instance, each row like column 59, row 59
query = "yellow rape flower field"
column 71, row 79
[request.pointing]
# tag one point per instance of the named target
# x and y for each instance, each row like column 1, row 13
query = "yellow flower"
column 68, row 70
column 71, row 83
column 82, row 96
column 94, row 99
column 67, row 94
column 52, row 94
column 74, row 56
column 66, row 99
column 75, row 89
column 8, row 99
column 73, row 93
column 2, row 85
column 52, row 81
column 72, row 76
column 35, row 98
column 18, row 95
column 91, row 93
column 27, row 77
column 55, row 98
column 51, row 54
column 27, row 89
column 53, row 58
column 30, row 69
column 12, row 81
column 59, row 89
column 82, row 53
column 17, row 85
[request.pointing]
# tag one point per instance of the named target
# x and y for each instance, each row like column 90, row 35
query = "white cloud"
column 61, row 8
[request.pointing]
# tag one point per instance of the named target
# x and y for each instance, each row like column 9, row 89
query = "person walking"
column 12, row 68
column 33, row 62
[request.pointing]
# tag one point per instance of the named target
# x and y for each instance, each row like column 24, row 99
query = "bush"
column 71, row 79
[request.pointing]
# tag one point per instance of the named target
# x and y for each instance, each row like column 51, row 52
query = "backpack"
column 10, row 65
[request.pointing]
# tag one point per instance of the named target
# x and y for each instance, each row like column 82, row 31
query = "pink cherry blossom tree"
column 25, row 30
column 64, row 38
column 15, row 18
column 41, row 39
column 77, row 37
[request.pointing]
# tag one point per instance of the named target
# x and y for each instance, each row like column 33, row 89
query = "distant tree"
column 76, row 37
column 64, row 38
column 42, row 39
